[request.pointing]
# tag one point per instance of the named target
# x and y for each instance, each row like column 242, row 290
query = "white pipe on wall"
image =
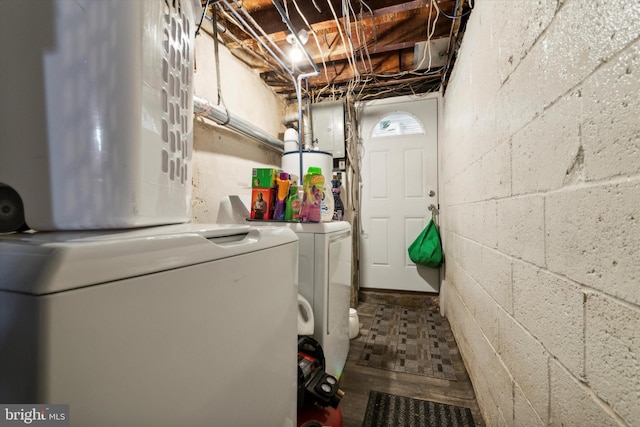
column 222, row 117
column 307, row 136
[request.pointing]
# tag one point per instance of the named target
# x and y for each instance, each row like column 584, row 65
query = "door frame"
column 363, row 138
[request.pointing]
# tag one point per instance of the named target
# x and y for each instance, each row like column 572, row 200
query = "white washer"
column 189, row 324
column 324, row 276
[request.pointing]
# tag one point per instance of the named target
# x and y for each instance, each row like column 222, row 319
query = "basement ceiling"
column 364, row 49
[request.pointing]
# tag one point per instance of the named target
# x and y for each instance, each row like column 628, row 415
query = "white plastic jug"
column 354, row 323
column 305, row 317
column 327, row 205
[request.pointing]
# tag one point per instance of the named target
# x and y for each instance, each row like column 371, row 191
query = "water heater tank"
column 96, row 112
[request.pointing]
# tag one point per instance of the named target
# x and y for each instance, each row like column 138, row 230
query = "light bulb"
column 295, row 53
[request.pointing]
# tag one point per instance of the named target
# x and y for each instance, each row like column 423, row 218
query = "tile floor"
column 358, row 380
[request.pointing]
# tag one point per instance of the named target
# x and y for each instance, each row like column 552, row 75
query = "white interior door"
column 399, row 182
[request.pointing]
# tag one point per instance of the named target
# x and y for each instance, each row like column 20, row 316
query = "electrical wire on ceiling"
column 234, row 17
column 361, row 38
column 258, row 54
column 217, row 60
column 315, row 37
column 364, row 32
column 344, row 43
column 349, row 50
column 204, row 12
column 454, row 11
column 431, row 28
column 356, row 39
column 359, row 81
column 346, row 19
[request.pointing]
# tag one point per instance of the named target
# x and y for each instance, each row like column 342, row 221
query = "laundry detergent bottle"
column 292, row 211
column 338, row 208
column 281, row 196
column 313, row 190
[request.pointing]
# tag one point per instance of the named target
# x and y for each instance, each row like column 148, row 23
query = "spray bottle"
column 338, row 211
column 283, row 183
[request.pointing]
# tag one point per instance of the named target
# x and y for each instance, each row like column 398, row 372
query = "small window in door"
column 397, row 124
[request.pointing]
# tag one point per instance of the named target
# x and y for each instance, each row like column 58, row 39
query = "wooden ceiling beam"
column 268, row 17
column 365, row 87
column 383, row 40
column 340, row 72
column 402, row 33
column 397, row 11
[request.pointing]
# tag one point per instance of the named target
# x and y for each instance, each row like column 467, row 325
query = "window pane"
column 397, row 124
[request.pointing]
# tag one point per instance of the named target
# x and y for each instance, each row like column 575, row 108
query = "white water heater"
column 320, row 159
column 96, row 113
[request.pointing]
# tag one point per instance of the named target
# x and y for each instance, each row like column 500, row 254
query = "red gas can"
column 315, row 416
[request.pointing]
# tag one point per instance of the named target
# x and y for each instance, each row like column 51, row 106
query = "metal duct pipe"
column 220, row 115
column 290, row 118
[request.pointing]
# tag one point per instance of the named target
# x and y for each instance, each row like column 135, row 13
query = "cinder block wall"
column 540, row 210
column 223, row 160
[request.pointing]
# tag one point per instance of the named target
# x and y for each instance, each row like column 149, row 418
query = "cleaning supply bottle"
column 338, row 206
column 282, row 182
column 292, row 211
column 313, row 187
column 326, row 207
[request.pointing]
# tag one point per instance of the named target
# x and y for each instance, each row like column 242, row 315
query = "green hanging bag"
column 426, row 249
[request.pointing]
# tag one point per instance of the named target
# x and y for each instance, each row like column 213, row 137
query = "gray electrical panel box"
column 327, row 120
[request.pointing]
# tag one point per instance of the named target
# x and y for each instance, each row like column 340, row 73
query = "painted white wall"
column 223, row 160
column 540, row 210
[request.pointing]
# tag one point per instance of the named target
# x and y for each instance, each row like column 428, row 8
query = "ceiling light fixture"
column 295, row 53
column 303, row 35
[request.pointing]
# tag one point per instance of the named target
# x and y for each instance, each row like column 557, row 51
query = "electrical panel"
column 327, row 120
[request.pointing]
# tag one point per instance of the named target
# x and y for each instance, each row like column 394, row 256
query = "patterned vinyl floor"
column 408, row 340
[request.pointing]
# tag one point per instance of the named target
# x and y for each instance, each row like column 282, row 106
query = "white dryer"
column 324, row 276
column 188, row 324
column 324, row 279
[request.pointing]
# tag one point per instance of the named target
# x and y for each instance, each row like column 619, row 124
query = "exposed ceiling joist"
column 363, row 45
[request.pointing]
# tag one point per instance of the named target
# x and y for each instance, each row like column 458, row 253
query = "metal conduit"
column 222, row 29
column 298, row 86
column 219, row 115
column 270, row 47
column 255, row 35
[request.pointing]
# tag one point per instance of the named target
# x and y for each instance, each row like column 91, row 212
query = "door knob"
column 432, row 193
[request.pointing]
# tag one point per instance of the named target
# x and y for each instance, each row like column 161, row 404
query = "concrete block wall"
column 539, row 163
column 223, row 160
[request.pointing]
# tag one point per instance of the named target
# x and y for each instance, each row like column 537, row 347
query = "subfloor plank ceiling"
column 364, row 49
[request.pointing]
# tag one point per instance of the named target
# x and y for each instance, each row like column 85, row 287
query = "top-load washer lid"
column 306, row 227
column 321, row 227
column 46, row 262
